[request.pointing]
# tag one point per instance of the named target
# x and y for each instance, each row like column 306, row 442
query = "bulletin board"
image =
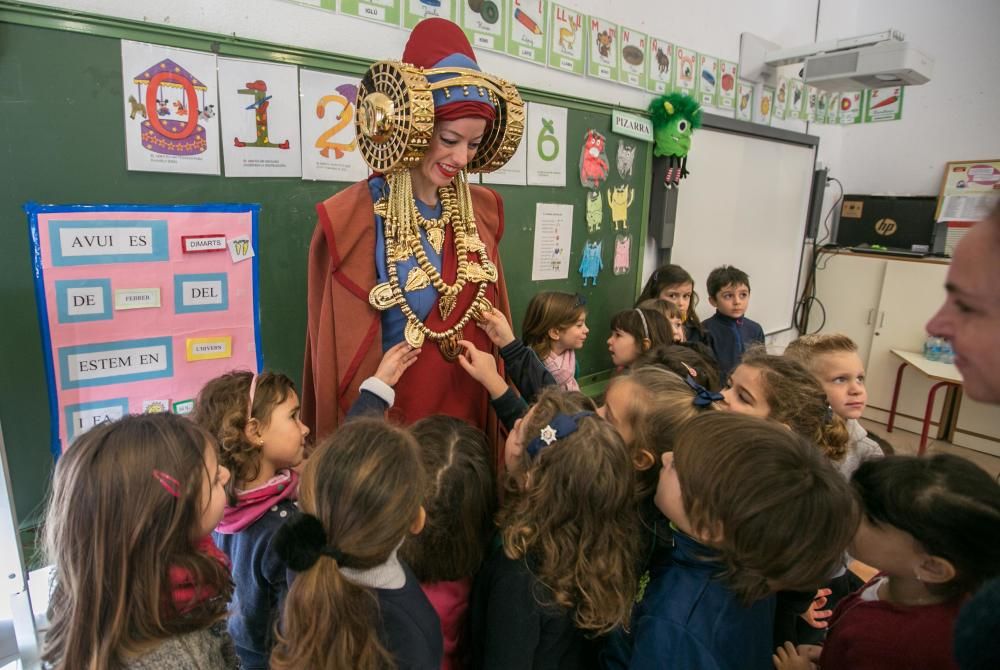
column 139, row 304
column 65, row 139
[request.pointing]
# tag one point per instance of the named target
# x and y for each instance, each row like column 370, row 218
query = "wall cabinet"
column 884, row 304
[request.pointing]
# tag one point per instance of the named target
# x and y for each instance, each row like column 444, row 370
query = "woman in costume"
column 412, row 253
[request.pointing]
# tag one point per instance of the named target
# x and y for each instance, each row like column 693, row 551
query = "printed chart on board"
column 140, row 305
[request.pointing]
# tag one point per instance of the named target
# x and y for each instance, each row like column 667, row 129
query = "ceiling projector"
column 877, row 60
column 884, row 64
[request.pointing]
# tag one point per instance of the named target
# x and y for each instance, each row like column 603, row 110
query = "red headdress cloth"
column 439, row 43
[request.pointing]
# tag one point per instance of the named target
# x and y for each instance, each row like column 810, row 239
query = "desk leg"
column 895, row 397
column 927, row 416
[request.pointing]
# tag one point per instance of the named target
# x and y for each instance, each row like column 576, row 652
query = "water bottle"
column 933, row 349
column 947, row 353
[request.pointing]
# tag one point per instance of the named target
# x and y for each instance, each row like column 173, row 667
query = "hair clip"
column 703, row 397
column 253, row 390
column 172, row 486
column 560, row 427
column 645, row 327
column 581, row 300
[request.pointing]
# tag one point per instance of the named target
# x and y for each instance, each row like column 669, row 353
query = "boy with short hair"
column 754, row 508
column 833, row 360
column 731, row 332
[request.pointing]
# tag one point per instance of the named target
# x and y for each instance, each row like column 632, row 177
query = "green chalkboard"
column 63, row 142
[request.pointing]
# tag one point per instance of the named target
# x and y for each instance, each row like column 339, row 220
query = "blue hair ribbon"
column 703, row 397
column 561, row 426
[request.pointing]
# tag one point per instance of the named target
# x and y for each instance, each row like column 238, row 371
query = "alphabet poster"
column 526, row 30
column 170, row 104
column 659, row 62
column 483, row 23
column 382, row 11
column 140, row 305
column 567, row 51
column 603, row 49
column 632, row 58
column 260, row 118
column 546, row 140
column 415, row 11
column 329, row 146
column 685, row 70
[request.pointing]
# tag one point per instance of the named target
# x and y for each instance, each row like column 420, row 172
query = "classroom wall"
column 950, row 118
column 953, row 117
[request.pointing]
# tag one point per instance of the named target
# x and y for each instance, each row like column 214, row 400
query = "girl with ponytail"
column 353, row 603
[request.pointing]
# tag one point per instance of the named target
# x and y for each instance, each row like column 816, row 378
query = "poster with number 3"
column 329, row 148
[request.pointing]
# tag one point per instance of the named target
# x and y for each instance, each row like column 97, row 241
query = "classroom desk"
column 945, row 374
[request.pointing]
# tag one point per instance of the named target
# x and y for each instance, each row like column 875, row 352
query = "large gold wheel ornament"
column 395, row 118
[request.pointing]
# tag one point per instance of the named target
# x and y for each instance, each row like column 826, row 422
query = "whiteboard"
column 745, row 203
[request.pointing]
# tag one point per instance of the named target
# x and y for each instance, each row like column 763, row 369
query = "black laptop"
column 884, row 224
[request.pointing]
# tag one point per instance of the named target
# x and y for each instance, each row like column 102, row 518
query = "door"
column 912, row 291
column 848, row 288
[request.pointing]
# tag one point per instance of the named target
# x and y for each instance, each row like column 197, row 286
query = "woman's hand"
column 788, row 657
column 483, row 368
column 496, row 327
column 395, row 361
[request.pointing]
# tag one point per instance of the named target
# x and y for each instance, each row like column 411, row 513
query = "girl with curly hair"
column 255, row 419
column 563, row 570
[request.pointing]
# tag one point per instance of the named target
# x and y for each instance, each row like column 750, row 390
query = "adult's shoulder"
column 347, row 219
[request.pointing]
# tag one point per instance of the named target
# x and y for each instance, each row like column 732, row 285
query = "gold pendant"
column 479, row 308
column 381, row 297
column 446, row 305
column 413, row 334
column 416, row 280
column 473, row 243
column 382, row 207
column 435, row 236
column 397, row 253
column 450, row 348
column 479, row 273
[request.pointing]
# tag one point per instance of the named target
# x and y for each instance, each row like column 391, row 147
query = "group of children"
column 701, row 516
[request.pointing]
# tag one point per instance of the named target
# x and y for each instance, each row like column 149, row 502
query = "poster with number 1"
column 259, row 105
column 329, row 146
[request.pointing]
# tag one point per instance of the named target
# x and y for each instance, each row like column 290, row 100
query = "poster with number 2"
column 329, row 148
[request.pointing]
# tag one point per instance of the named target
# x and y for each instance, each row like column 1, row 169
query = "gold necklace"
column 401, row 224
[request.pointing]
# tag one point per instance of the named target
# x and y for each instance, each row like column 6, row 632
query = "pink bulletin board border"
column 41, row 257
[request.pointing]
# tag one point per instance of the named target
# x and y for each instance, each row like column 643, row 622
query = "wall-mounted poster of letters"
column 140, row 305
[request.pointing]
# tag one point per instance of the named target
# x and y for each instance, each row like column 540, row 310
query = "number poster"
column 260, row 118
column 140, row 305
column 329, row 145
column 170, row 104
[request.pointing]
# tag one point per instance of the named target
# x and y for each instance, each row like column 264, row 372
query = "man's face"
column 970, row 315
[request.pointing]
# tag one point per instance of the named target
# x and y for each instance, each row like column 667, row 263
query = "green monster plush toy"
column 674, row 116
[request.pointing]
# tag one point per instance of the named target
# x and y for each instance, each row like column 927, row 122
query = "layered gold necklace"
column 402, row 222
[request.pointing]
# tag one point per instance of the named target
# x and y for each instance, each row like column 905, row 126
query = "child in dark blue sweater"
column 255, row 419
column 754, row 509
column 731, row 332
